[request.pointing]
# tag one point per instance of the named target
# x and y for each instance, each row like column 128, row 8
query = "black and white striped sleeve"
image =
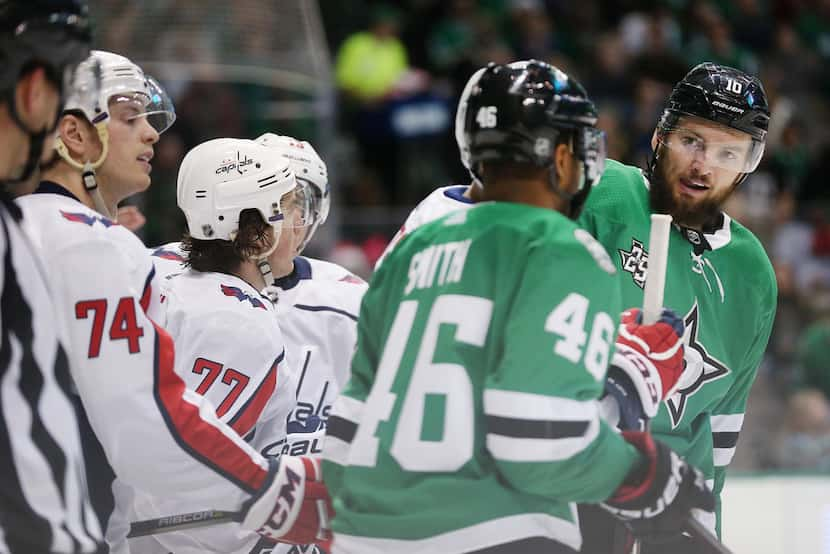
column 45, row 502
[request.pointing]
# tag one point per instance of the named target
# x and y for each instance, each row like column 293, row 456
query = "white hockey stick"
column 658, row 254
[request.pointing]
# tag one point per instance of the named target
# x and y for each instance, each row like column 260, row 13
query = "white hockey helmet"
column 221, row 177
column 311, row 173
column 121, row 79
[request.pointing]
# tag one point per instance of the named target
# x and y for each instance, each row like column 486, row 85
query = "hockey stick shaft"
column 181, row 522
column 658, row 253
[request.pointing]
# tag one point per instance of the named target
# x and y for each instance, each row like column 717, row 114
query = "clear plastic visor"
column 590, row 148
column 153, row 104
column 732, row 151
column 298, row 207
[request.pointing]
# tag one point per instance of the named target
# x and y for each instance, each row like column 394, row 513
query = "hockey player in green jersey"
column 711, row 135
column 471, row 421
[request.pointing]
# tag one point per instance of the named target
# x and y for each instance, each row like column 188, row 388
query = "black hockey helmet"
column 521, row 111
column 723, row 95
column 53, row 34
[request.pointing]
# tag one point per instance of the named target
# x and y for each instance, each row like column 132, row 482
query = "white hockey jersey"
column 158, row 437
column 229, row 349
column 437, row 204
column 318, row 318
column 169, row 261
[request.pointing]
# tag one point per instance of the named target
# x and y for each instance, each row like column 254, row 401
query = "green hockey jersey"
column 471, row 417
column 723, row 285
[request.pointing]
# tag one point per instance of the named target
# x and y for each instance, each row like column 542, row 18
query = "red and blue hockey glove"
column 646, row 367
column 658, row 496
column 294, row 507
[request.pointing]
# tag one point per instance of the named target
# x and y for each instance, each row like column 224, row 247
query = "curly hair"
column 226, row 256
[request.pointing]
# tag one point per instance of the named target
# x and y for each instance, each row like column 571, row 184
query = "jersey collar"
column 302, row 270
column 457, row 194
column 51, row 187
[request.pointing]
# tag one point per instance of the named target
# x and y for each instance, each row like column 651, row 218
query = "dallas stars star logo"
column 700, row 368
column 635, row 262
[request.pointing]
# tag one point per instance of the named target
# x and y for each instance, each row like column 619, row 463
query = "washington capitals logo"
column 87, row 219
column 160, row 252
column 635, row 262
column 700, row 368
column 241, row 296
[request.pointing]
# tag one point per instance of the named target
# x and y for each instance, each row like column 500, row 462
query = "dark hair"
column 225, row 256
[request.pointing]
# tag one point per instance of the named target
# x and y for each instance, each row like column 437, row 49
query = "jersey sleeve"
column 158, row 436
column 541, row 403
column 348, row 408
column 728, row 416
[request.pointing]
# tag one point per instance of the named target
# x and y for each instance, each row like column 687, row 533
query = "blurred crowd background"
column 374, row 86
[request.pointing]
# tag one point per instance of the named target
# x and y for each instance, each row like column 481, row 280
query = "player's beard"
column 696, row 214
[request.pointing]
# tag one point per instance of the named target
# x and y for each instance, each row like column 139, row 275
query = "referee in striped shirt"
column 44, row 500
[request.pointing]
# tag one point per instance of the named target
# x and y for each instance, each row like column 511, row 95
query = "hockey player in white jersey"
column 229, row 344
column 152, row 433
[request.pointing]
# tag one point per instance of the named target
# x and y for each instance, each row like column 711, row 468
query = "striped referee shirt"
column 44, row 501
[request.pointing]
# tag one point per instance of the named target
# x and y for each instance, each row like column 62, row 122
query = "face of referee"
column 38, row 102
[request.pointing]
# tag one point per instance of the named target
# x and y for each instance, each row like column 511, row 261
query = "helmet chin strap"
column 269, row 291
column 36, row 140
column 87, row 169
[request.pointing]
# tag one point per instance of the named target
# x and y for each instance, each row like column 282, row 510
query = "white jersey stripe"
column 731, row 423
column 523, row 405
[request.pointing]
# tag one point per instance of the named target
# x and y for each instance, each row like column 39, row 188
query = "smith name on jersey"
column 471, row 416
column 722, row 283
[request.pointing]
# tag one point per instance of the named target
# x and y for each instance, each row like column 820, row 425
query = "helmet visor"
column 590, row 148
column 153, row 103
column 298, row 207
column 732, row 151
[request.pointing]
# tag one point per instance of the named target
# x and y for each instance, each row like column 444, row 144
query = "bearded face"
column 697, row 168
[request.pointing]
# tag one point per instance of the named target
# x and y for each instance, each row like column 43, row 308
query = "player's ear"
column 654, row 140
column 78, row 136
column 563, row 163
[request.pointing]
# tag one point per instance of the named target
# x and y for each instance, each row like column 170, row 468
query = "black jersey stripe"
column 340, row 428
column 725, row 439
column 535, row 429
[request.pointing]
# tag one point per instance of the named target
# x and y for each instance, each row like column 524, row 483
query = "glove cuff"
column 276, row 508
column 643, row 375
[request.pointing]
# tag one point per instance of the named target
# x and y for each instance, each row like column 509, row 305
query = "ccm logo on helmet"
column 238, row 164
